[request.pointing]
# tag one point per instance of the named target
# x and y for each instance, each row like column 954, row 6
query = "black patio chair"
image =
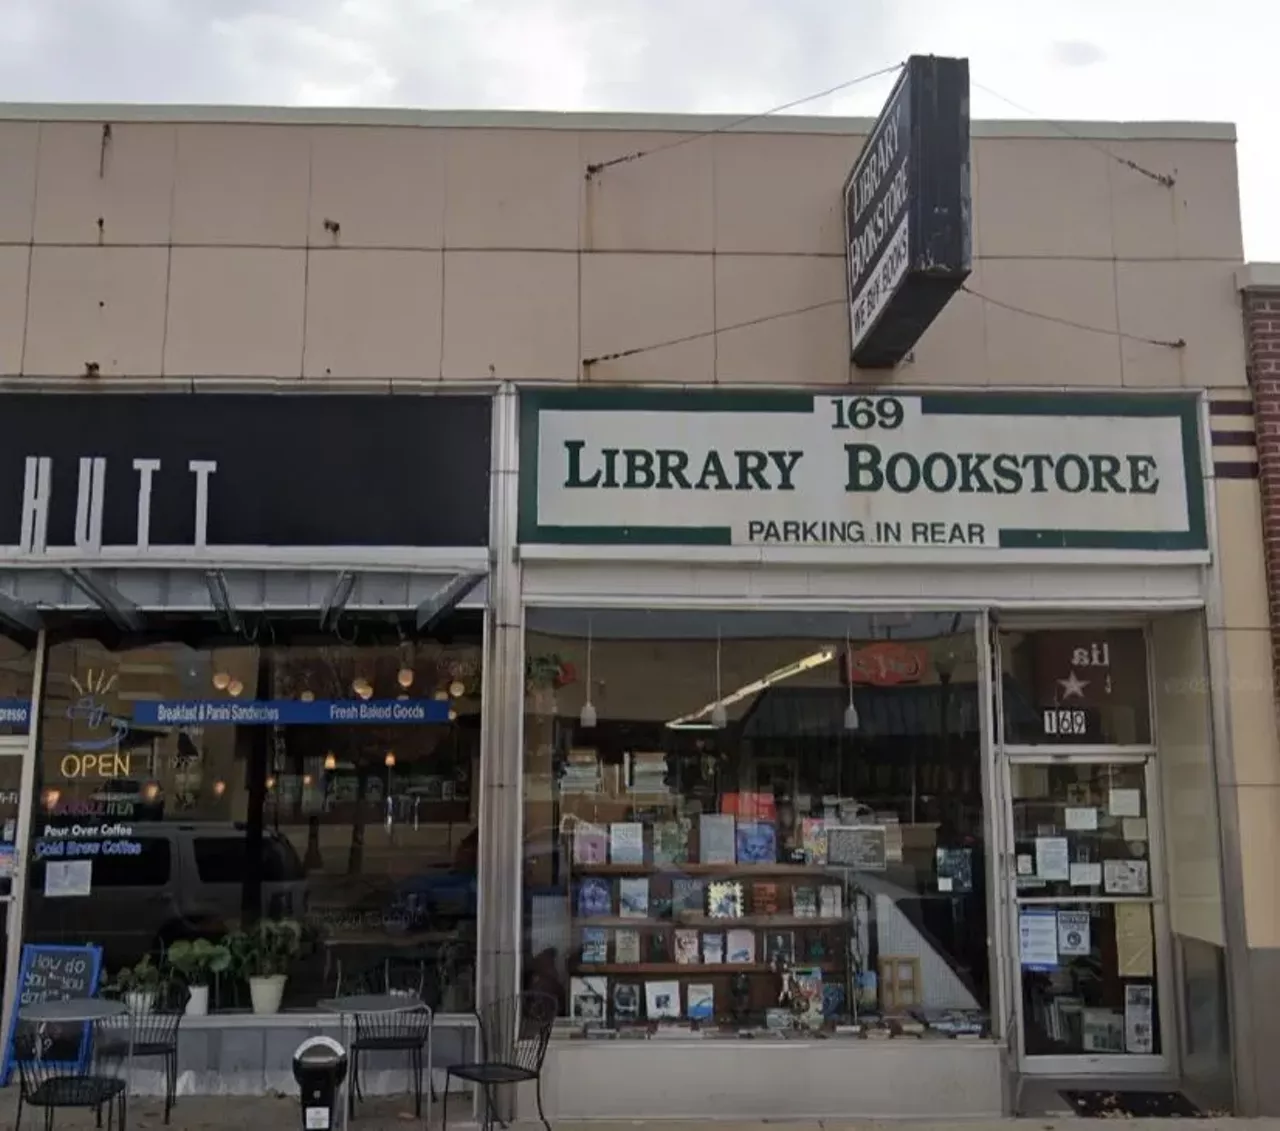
column 408, row 1032
column 46, row 1080
column 514, row 1034
column 155, row 1036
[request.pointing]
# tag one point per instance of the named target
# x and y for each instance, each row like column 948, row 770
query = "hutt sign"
column 965, row 472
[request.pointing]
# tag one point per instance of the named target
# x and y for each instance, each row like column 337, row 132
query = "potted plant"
column 196, row 962
column 262, row 955
column 138, row 985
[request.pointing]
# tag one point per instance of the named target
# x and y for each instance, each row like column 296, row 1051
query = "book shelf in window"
column 814, row 944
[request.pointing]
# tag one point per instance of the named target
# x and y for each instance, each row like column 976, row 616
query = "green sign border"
column 1183, row 407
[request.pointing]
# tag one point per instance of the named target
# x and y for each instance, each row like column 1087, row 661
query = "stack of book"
column 581, row 773
column 648, row 771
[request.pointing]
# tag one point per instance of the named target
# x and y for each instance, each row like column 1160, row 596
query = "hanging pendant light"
column 235, row 687
column 405, row 676
column 331, row 761
column 221, row 681
column 588, row 717
column 850, row 712
column 719, row 716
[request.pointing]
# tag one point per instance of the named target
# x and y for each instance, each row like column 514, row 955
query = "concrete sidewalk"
column 203, row 1113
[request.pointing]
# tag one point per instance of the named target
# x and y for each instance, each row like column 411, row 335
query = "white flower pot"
column 198, row 1002
column 140, row 1001
column 267, row 992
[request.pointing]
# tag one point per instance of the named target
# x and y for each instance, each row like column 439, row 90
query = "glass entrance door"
column 1091, row 968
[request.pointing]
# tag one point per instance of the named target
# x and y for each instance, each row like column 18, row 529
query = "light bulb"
column 330, row 761
column 308, row 696
column 271, row 783
column 219, row 788
column 851, row 717
column 51, row 798
column 719, row 716
column 151, row 791
column 235, row 687
column 588, row 717
column 306, row 779
column 390, row 759
column 221, row 680
column 457, row 689
column 404, row 677
column 362, row 687
column 453, row 715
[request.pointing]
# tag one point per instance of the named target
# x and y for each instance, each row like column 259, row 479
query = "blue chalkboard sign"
column 56, row 973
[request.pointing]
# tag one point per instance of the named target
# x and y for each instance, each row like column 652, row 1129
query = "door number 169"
column 1064, row 722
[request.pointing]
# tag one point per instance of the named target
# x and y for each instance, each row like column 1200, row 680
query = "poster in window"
column 1139, row 1018
column 862, row 847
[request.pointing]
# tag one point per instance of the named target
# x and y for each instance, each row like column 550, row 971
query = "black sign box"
column 240, row 469
column 908, row 222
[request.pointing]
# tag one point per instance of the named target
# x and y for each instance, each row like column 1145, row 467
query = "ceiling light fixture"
column 587, row 719
column 850, row 712
column 330, row 761
column 719, row 716
column 697, row 720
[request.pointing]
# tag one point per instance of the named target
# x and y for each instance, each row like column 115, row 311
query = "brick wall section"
column 1262, row 329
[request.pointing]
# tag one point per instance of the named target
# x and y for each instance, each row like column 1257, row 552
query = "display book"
column 705, row 927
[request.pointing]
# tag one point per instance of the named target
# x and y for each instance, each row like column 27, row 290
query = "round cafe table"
column 86, row 1011
column 348, row 1008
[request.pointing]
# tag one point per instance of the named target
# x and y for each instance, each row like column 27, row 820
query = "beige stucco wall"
column 473, row 246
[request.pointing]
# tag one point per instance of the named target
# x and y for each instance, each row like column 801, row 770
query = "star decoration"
column 1073, row 686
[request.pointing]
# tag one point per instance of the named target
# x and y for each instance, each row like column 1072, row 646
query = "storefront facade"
column 931, row 700
column 248, row 681
column 988, row 695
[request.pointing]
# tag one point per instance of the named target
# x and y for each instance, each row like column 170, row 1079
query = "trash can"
column 319, row 1066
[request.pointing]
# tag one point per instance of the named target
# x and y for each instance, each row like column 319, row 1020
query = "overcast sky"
column 1061, row 59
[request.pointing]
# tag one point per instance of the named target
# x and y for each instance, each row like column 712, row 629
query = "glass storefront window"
column 1079, row 687
column 754, row 821
column 189, row 787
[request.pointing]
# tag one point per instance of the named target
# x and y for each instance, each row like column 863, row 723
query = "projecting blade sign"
column 908, row 222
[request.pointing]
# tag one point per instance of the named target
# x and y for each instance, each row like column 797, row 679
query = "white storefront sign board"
column 871, row 477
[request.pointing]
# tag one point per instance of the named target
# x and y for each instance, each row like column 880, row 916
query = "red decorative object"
column 565, row 675
column 886, row 664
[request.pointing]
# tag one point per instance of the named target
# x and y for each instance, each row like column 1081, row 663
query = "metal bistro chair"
column 514, row 1034
column 407, row 1032
column 155, row 1036
column 56, row 1083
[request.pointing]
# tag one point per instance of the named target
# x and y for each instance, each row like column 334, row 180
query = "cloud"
column 691, row 55
column 1076, row 53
